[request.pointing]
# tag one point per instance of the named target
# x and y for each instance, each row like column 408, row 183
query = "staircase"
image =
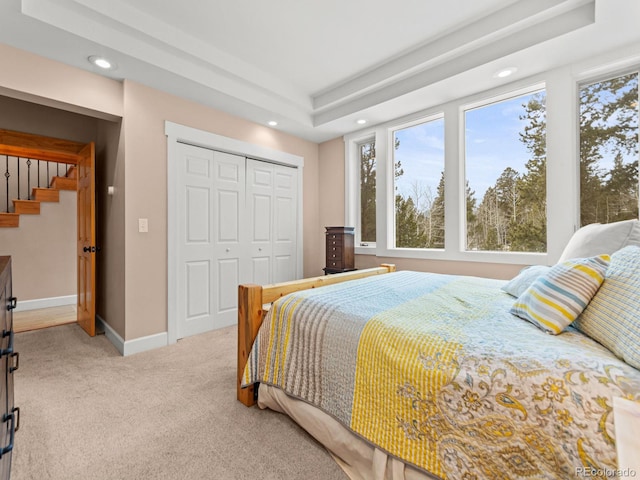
column 31, row 205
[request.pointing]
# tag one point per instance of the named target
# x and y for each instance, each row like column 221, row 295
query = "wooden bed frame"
column 251, row 312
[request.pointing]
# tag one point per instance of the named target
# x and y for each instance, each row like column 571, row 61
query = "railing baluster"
column 28, row 179
column 18, row 161
column 9, row 184
column 6, row 176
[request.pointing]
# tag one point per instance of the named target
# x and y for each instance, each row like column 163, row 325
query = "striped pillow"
column 613, row 316
column 555, row 299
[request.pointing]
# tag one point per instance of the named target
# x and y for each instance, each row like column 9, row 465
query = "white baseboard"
column 136, row 345
column 38, row 303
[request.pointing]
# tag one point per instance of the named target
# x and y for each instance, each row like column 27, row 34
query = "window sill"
column 516, row 258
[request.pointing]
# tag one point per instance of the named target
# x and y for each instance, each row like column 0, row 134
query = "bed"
column 409, row 375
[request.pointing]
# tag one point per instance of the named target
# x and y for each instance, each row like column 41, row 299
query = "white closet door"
column 195, row 270
column 260, row 202
column 211, row 250
column 237, row 223
column 285, row 223
column 272, row 219
column 229, row 246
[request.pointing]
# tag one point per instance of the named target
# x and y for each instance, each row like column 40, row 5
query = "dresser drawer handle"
column 16, row 365
column 11, row 417
column 13, row 303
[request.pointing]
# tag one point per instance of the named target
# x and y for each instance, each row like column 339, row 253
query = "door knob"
column 89, row 249
column 227, row 250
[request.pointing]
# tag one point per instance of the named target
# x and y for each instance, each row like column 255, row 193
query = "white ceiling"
column 316, row 66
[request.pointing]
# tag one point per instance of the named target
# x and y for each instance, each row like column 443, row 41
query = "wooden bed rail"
column 251, row 312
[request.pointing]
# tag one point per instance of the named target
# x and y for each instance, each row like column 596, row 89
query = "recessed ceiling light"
column 505, row 72
column 102, row 62
column 361, row 121
column 273, row 123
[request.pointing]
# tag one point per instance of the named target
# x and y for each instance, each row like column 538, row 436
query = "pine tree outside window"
column 418, row 165
column 505, row 164
column 609, row 150
column 367, row 154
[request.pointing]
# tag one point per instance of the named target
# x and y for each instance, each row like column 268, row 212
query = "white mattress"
column 358, row 458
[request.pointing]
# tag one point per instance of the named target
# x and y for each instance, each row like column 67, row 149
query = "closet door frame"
column 176, row 134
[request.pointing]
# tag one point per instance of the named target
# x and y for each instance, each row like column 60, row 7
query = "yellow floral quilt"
column 435, row 370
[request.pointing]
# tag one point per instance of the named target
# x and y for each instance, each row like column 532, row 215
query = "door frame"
column 177, row 133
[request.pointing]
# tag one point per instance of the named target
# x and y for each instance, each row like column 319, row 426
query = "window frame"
column 509, row 95
column 391, row 166
column 589, row 78
column 352, row 195
column 562, row 113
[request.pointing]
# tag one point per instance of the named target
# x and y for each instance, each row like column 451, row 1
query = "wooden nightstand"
column 339, row 250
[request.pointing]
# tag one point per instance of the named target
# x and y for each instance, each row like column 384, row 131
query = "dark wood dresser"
column 339, row 250
column 8, row 365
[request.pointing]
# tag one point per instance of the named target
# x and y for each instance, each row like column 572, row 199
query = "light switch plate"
column 143, row 225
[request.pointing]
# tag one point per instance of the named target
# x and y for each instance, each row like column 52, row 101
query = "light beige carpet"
column 171, row 413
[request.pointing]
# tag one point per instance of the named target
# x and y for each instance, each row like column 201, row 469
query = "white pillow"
column 521, row 282
column 598, row 238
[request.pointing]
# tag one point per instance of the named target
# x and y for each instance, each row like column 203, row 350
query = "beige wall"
column 43, row 251
column 132, row 273
column 145, row 112
column 110, row 261
column 332, row 183
column 31, row 77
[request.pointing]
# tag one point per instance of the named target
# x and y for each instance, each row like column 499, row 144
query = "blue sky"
column 492, row 144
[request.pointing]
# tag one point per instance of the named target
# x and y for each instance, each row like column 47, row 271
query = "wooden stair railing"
column 28, row 146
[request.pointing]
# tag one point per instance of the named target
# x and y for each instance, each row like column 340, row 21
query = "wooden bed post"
column 249, row 319
column 252, row 298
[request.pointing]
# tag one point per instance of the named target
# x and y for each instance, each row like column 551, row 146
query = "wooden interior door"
column 87, row 240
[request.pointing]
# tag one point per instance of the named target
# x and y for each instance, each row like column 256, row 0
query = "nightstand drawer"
column 337, row 263
column 334, row 243
column 334, row 252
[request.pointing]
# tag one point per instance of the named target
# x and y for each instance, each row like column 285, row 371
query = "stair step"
column 45, row 194
column 28, row 207
column 9, row 220
column 72, row 172
column 64, row 183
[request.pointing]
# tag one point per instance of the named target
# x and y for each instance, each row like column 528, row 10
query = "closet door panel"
column 237, row 223
column 198, row 305
column 259, row 219
column 285, row 223
column 195, row 273
column 228, row 281
column 229, row 246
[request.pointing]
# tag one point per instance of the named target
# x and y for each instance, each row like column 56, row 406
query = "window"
column 367, row 156
column 505, row 165
column 418, row 170
column 609, row 150
column 501, row 176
